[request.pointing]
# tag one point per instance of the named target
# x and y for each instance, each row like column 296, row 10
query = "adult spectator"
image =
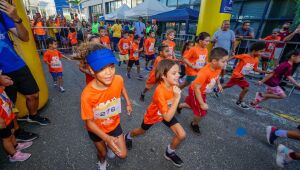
column 13, row 67
column 95, row 25
column 140, row 29
column 224, row 37
column 242, row 33
column 40, row 32
column 283, row 32
column 154, row 26
column 117, row 33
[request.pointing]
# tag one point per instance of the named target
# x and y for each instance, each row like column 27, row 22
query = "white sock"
column 129, row 135
column 169, row 150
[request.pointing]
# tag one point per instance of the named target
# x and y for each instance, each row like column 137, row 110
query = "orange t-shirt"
column 245, row 65
column 40, row 30
column 162, row 100
column 199, row 57
column 171, row 45
column 6, row 112
column 105, row 41
column 73, row 38
column 124, row 45
column 52, row 58
column 151, row 78
column 270, row 46
column 103, row 106
column 149, row 46
column 134, row 52
column 207, row 78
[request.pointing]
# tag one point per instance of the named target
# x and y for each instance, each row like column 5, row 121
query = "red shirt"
column 270, row 47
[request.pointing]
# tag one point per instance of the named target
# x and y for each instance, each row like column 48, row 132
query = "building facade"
column 45, row 7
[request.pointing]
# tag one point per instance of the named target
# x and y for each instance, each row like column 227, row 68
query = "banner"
column 226, row 6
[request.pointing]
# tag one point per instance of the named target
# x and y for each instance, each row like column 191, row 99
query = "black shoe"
column 174, row 158
column 24, row 136
column 142, row 97
column 128, row 142
column 179, row 110
column 216, row 92
column 195, row 128
column 38, row 119
column 242, row 105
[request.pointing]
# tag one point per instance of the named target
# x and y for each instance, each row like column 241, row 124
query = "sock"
column 292, row 155
column 281, row 133
column 169, row 150
column 128, row 136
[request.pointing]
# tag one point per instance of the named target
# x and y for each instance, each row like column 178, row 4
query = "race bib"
column 136, row 54
column 209, row 87
column 151, row 48
column 247, row 68
column 109, row 109
column 125, row 46
column 201, row 61
column 6, row 108
column 171, row 50
column 55, row 62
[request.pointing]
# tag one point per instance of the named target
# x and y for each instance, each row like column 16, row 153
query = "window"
column 195, row 2
column 172, row 2
column 163, row 2
column 183, row 2
column 253, row 10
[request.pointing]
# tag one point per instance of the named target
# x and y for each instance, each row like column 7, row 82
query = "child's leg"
column 196, row 119
column 152, row 61
column 179, row 135
column 137, row 132
column 9, row 146
column 101, row 148
column 60, row 81
column 243, row 93
column 128, row 69
column 147, row 61
column 122, row 146
column 145, row 90
column 138, row 69
column 183, row 105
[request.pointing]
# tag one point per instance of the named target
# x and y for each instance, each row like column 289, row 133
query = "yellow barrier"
column 28, row 51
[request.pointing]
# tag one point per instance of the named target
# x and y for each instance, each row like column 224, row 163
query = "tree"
column 76, row 2
column 297, row 15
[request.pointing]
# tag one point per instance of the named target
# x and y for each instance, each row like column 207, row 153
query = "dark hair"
column 202, row 36
column 93, row 36
column 130, row 32
column 72, row 30
column 136, row 37
column 294, row 52
column 162, row 47
column 162, row 69
column 101, row 28
column 125, row 32
column 50, row 41
column 259, row 45
column 246, row 22
column 217, row 54
column 151, row 31
column 187, row 43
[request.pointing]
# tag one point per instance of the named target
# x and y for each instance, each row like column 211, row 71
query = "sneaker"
column 128, row 142
column 23, row 136
column 128, row 75
column 19, row 156
column 258, row 97
column 110, row 153
column 61, row 89
column 216, row 92
column 140, row 77
column 271, row 137
column 195, row 128
column 174, row 158
column 242, row 105
column 142, row 98
column 38, row 119
column 21, row 146
column 282, row 156
column 55, row 84
column 102, row 166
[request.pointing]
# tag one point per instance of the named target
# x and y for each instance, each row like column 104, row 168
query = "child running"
column 149, row 50
column 162, row 109
column 52, row 58
column 101, row 103
column 272, row 81
column 206, row 79
column 124, row 45
column 104, row 39
column 11, row 147
column 196, row 58
column 170, row 35
column 134, row 58
column 247, row 63
column 164, row 53
column 186, row 48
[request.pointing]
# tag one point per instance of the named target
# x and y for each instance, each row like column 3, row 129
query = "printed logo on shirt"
column 108, row 109
column 151, row 48
column 125, row 46
column 210, row 86
column 201, row 61
column 55, row 62
column 171, row 50
column 247, row 68
column 5, row 105
column 136, row 54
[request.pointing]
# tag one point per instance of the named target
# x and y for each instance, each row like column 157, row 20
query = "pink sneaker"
column 19, row 156
column 258, row 97
column 24, row 145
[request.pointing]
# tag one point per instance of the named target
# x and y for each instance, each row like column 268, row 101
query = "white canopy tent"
column 118, row 14
column 146, row 9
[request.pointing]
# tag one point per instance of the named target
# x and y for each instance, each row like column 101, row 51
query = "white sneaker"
column 102, row 166
column 282, row 156
column 61, row 89
column 110, row 153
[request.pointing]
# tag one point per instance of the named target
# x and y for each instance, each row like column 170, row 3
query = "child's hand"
column 177, row 92
column 220, row 88
column 204, row 106
column 112, row 144
column 2, row 123
column 5, row 81
column 129, row 109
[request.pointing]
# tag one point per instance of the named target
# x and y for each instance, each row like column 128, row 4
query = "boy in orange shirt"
column 196, row 58
column 72, row 36
column 101, row 103
column 104, row 39
column 7, row 116
column 206, row 79
column 151, row 81
column 52, row 58
column 124, row 45
column 170, row 35
column 131, row 36
column 162, row 109
column 134, row 58
column 247, row 63
column 150, row 50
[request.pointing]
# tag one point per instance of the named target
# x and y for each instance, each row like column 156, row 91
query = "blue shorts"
column 41, row 37
column 190, row 79
column 150, row 57
column 55, row 75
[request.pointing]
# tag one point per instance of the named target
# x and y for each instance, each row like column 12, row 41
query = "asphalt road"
column 64, row 144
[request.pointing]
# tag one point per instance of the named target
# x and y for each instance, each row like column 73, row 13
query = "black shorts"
column 24, row 83
column 6, row 132
column 172, row 122
column 264, row 59
column 115, row 133
column 131, row 62
column 150, row 57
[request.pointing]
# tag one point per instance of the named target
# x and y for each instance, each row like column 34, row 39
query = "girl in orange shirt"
column 72, row 36
column 150, row 50
column 101, row 103
column 186, row 48
column 162, row 109
column 170, row 35
column 196, row 58
column 134, row 58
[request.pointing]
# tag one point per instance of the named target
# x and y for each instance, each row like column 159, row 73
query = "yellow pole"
column 28, row 51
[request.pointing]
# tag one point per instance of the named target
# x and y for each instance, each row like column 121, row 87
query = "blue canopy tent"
column 178, row 15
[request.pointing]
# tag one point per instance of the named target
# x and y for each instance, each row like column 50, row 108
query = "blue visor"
column 98, row 59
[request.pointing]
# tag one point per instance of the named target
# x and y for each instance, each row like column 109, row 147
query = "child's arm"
column 261, row 82
column 66, row 57
column 203, row 105
column 2, row 123
column 261, row 71
column 188, row 63
column 170, row 113
column 83, row 69
column 219, row 85
column 293, row 81
column 128, row 103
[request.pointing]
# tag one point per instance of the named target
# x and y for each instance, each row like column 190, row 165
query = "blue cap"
column 98, row 59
